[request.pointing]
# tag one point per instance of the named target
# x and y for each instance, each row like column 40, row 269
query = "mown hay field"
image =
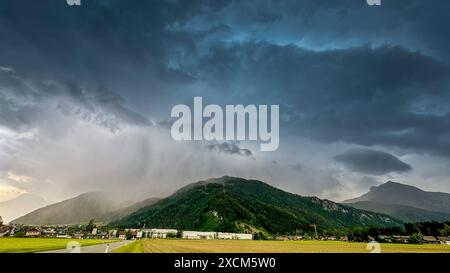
column 244, row 246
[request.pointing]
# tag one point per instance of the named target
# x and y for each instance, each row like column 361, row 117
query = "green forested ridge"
column 238, row 205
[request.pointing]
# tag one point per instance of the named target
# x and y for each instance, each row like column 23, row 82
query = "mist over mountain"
column 117, row 214
column 405, row 195
column 405, row 213
column 100, row 206
column 20, row 205
column 240, row 205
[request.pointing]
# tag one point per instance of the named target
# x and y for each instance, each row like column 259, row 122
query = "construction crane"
column 315, row 230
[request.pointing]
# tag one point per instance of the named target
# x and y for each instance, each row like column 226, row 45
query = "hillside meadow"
column 233, row 246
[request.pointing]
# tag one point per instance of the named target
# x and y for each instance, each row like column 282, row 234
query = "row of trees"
column 414, row 230
column 429, row 228
column 22, row 230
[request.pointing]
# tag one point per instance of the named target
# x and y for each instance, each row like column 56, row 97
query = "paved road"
column 100, row 248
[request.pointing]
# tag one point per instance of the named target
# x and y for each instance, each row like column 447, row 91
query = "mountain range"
column 233, row 204
column 100, row 206
column 240, row 205
column 404, row 202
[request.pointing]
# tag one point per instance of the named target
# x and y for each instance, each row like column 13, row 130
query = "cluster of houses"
column 64, row 231
column 6, row 230
column 406, row 239
column 382, row 238
column 299, row 238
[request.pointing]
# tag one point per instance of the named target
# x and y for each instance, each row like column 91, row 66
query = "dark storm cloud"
column 372, row 162
column 384, row 95
column 230, row 148
column 418, row 24
column 150, row 52
column 101, row 41
column 24, row 100
column 342, row 72
column 107, row 39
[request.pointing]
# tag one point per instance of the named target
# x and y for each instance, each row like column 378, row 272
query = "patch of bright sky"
column 8, row 192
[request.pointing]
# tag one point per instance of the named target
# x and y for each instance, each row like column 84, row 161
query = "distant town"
column 98, row 231
column 93, row 231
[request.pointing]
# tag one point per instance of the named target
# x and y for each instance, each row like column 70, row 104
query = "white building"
column 49, row 232
column 159, row 233
column 234, row 236
column 112, row 233
column 197, row 235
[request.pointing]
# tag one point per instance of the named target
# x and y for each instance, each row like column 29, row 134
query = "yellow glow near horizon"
column 8, row 192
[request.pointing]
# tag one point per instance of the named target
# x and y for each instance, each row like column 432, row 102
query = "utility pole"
column 315, row 230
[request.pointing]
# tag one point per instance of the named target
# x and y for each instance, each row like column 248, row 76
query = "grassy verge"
column 134, row 247
column 24, row 245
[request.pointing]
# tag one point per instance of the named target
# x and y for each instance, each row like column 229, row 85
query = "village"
column 92, row 231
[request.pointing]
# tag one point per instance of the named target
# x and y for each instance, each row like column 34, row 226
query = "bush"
column 172, row 235
column 180, row 234
column 259, row 236
column 20, row 234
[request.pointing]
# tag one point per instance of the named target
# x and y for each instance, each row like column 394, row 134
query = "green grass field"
column 135, row 247
column 24, row 245
column 229, row 246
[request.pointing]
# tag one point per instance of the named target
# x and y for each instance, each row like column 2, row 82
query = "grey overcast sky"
column 86, row 93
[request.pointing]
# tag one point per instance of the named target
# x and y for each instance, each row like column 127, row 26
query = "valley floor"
column 244, row 246
column 22, row 245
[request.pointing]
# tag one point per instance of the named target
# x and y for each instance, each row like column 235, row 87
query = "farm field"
column 232, row 246
column 25, row 245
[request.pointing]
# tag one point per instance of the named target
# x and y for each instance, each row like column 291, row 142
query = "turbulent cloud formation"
column 83, row 91
column 23, row 102
column 335, row 96
column 372, row 162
